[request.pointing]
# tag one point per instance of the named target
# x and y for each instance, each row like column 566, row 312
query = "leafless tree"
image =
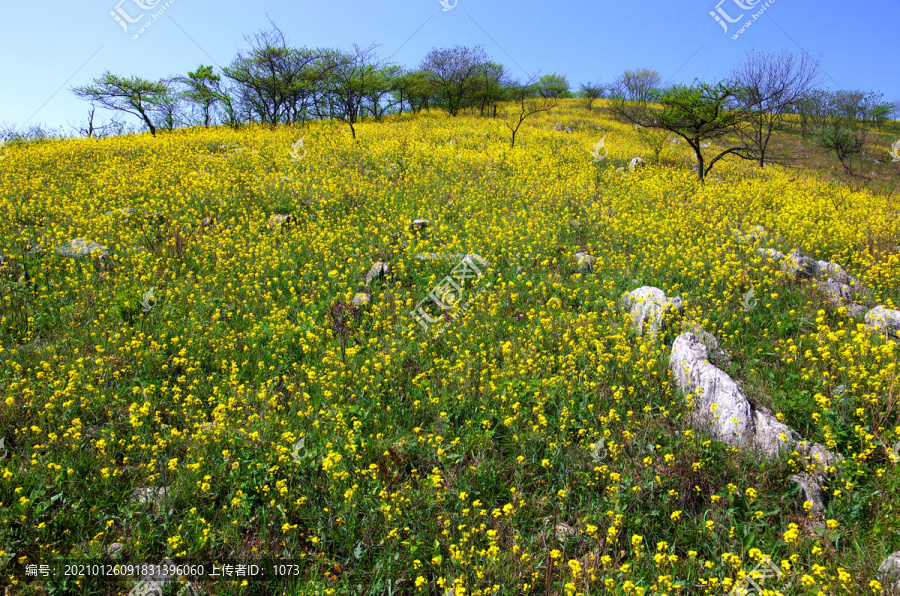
column 770, row 84
column 527, row 103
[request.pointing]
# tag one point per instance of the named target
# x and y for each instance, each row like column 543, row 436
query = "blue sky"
column 51, row 46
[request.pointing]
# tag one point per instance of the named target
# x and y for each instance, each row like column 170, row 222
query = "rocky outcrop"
column 720, row 407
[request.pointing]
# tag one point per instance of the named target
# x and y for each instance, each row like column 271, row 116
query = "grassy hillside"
column 535, row 446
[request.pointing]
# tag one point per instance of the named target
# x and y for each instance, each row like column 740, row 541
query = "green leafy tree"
column 203, row 88
column 452, row 73
column 638, row 85
column 553, row 85
column 696, row 113
column 131, row 95
column 843, row 140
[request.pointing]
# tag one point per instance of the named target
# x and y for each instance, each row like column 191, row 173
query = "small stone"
column 280, row 220
column 147, row 494
column 114, row 550
column 811, row 490
column 360, row 299
column 751, row 235
column 379, row 270
column 635, row 163
column 585, row 261
column 889, row 571
column 420, row 224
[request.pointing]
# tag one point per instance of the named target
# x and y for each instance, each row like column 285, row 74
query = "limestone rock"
column 635, row 163
column 379, row 270
column 751, row 235
column 464, row 258
column 360, row 299
column 889, row 572
column 420, row 224
column 800, row 267
column 721, row 407
column 280, row 220
column 648, row 306
column 719, row 403
column 717, row 355
column 114, row 550
column 585, row 261
column 811, row 489
column 147, row 495
column 80, row 247
column 884, row 319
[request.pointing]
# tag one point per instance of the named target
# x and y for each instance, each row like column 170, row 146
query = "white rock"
column 635, row 163
column 79, row 247
column 278, row 220
column 719, row 403
column 378, row 271
column 889, row 572
column 884, row 319
column 811, row 489
column 717, row 355
column 360, row 299
column 752, row 234
column 147, row 495
column 114, row 550
column 464, row 258
column 585, row 261
column 721, row 407
column 648, row 306
column 798, row 266
column 420, row 224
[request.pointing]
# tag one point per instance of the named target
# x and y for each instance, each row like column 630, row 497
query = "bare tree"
column 527, row 103
column 770, row 84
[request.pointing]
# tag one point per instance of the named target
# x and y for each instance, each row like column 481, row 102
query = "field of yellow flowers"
column 202, row 387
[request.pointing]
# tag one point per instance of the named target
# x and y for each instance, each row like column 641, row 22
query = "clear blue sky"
column 50, row 46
